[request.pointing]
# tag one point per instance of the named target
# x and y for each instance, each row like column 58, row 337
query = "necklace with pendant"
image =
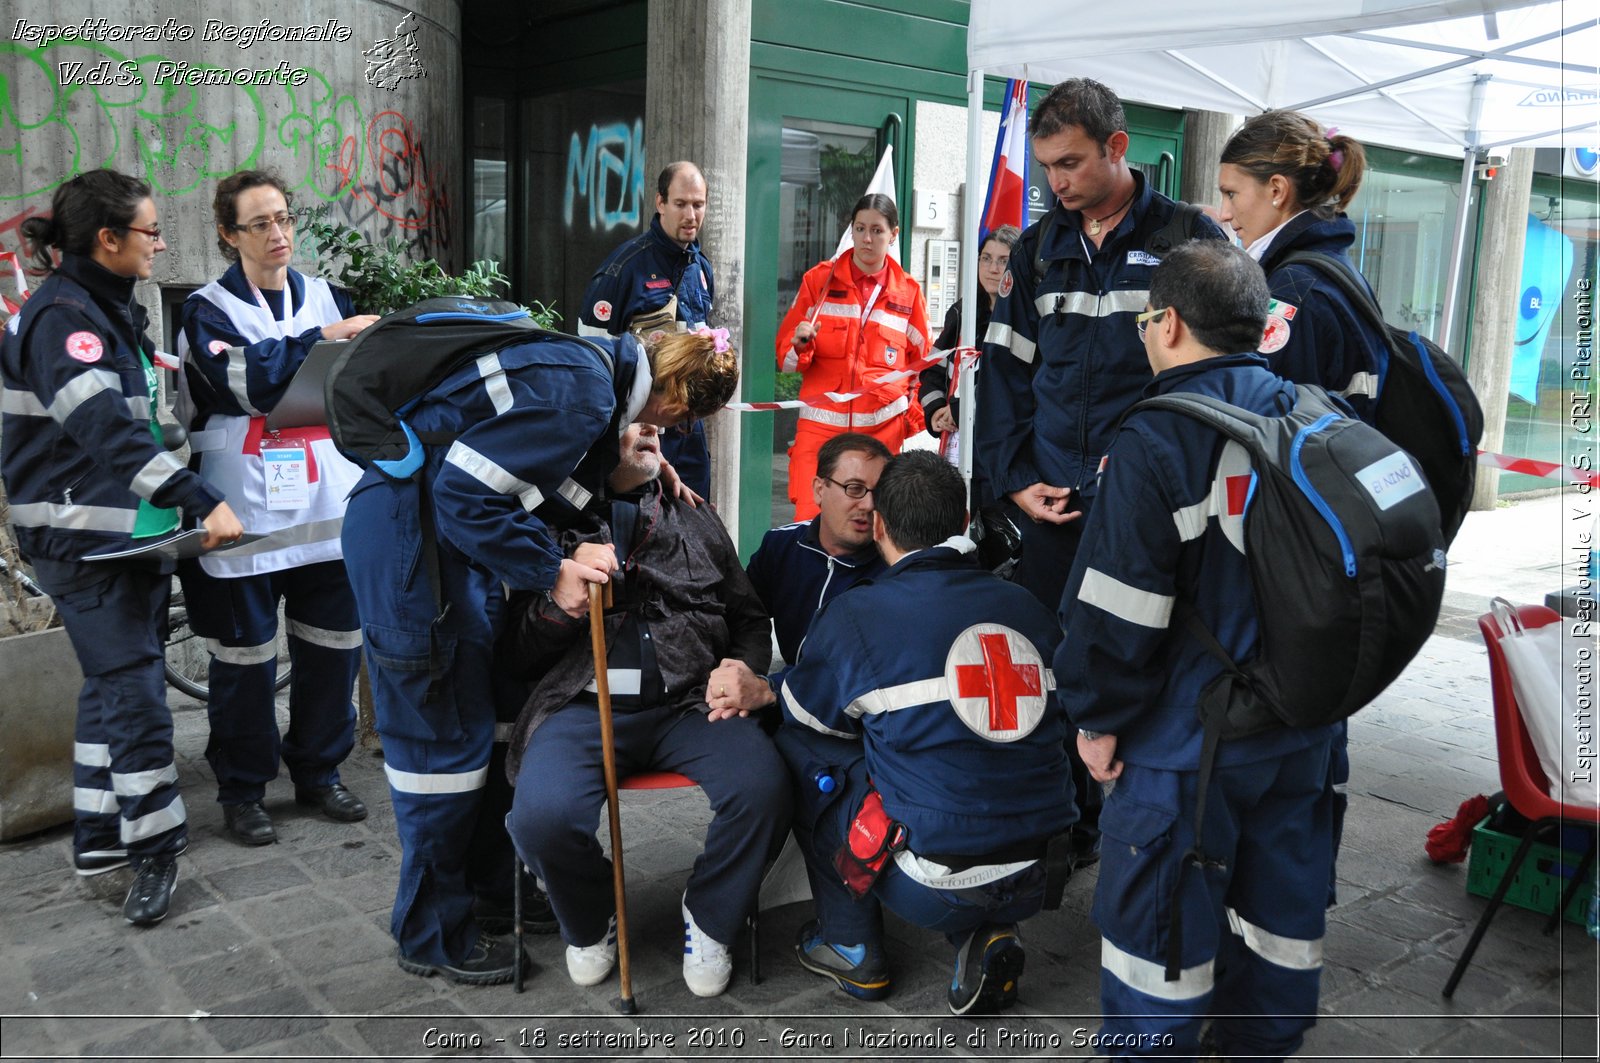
column 1094, row 223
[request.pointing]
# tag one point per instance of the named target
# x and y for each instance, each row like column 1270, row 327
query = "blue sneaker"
column 859, row 970
column 987, row 969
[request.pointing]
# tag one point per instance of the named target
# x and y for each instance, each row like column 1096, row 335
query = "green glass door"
column 813, row 150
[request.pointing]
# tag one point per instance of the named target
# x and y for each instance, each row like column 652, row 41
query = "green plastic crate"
column 1536, row 887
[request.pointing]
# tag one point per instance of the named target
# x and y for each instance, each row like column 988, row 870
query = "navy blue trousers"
column 125, row 782
column 561, row 789
column 239, row 618
column 820, row 829
column 1252, row 924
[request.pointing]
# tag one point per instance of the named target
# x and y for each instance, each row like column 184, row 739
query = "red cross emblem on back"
column 997, row 682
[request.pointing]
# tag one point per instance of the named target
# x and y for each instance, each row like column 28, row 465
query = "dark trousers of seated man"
column 561, row 790
column 821, row 824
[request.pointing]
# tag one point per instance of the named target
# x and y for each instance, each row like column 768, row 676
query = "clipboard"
column 302, row 403
column 174, row 546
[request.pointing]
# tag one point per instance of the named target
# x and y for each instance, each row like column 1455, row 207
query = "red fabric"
column 1447, row 842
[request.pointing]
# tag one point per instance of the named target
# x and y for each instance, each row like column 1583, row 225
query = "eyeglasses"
column 261, row 226
column 154, row 234
column 1140, row 321
column 994, row 260
column 853, row 489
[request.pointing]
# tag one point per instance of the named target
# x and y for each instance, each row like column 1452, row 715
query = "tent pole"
column 971, row 208
column 1469, row 162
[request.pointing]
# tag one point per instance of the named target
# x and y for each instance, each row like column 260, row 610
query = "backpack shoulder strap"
column 1046, row 227
column 1180, row 227
column 1345, row 278
column 1230, row 420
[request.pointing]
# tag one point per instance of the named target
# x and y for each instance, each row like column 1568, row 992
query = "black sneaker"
column 494, row 917
column 859, row 970
column 489, row 963
column 987, row 969
column 151, row 893
column 99, row 861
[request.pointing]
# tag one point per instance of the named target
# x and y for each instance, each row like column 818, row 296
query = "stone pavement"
column 284, row 953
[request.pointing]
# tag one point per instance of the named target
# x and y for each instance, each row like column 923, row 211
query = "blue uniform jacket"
column 1329, row 343
column 268, row 365
column 534, row 442
column 637, row 278
column 78, row 453
column 970, row 776
column 1168, row 526
column 795, row 577
column 1061, row 362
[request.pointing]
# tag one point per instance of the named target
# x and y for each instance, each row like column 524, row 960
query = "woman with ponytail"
column 1286, row 183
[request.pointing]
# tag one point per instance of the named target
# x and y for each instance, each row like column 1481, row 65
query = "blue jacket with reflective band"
column 875, row 664
column 1330, row 344
column 535, row 436
column 1168, row 526
column 76, row 449
column 1061, row 363
column 795, row 577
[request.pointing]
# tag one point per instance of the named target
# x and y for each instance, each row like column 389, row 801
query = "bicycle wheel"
column 188, row 664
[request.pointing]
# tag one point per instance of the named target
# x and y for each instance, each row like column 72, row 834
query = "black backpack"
column 404, row 356
column 1346, row 568
column 1424, row 401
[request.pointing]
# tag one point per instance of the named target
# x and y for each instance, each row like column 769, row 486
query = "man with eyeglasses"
column 661, row 280
column 244, row 336
column 1168, row 540
column 800, row 567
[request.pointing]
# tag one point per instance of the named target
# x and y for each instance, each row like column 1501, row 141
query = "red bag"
column 872, row 839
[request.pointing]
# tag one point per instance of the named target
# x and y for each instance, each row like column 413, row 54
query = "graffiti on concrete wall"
column 606, row 169
column 84, row 105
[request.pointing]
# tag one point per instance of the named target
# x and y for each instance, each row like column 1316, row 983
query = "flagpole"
column 971, row 220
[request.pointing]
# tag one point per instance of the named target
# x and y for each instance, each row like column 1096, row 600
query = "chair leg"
column 516, row 922
column 1578, row 879
column 1494, row 904
column 754, row 922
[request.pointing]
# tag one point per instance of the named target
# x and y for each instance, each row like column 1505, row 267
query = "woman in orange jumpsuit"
column 857, row 319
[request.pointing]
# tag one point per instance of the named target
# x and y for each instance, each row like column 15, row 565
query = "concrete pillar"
column 1204, row 134
column 1494, row 311
column 697, row 103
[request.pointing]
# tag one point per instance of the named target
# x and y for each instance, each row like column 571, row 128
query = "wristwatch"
column 1090, row 735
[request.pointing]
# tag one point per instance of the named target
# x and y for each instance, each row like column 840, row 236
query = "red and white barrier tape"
column 842, row 397
column 1550, row 470
column 19, row 277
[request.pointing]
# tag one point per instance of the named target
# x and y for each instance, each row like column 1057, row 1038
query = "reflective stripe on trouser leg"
column 142, row 774
column 436, row 795
column 242, row 747
column 325, row 648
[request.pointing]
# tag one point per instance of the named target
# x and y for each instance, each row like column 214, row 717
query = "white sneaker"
column 707, row 964
column 590, row 964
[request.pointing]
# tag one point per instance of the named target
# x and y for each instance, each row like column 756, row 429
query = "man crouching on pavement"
column 930, row 771
column 683, row 603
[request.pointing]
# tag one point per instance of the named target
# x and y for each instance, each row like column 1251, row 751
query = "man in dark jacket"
column 1169, row 541
column 949, row 746
column 683, row 603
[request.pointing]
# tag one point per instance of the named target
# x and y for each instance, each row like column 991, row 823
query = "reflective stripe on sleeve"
column 1297, row 954
column 1364, row 384
column 1144, row 608
column 575, row 493
column 802, row 716
column 79, row 390
column 156, row 474
column 1007, row 337
column 238, row 382
column 492, row 476
column 791, row 362
column 1149, row 978
column 590, row 331
column 22, row 403
column 495, row 382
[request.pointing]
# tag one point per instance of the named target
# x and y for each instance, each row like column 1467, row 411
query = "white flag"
column 883, row 183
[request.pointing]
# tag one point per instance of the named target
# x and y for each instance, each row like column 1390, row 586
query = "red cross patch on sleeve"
column 85, row 347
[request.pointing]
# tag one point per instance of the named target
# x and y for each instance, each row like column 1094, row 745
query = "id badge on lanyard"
column 287, row 473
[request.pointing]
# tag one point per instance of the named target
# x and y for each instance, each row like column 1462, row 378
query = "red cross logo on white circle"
column 85, row 346
column 997, row 682
column 602, row 311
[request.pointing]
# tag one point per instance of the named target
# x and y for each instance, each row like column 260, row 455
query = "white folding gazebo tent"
column 1445, row 76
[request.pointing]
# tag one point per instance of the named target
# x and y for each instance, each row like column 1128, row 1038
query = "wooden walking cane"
column 599, row 598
